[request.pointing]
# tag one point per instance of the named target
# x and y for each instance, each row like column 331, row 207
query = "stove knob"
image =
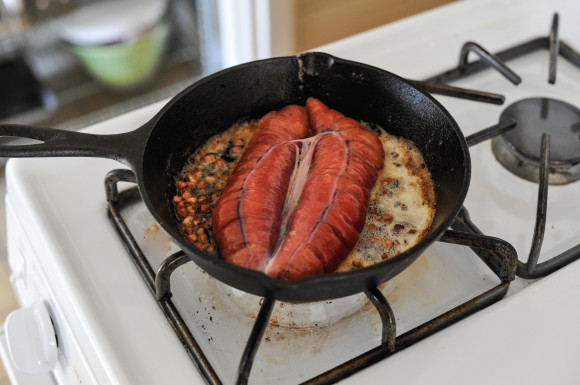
column 31, row 339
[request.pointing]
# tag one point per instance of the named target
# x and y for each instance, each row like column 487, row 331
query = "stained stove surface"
column 528, row 337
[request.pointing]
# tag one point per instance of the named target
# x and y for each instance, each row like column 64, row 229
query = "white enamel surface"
column 112, row 312
column 529, row 337
column 221, row 318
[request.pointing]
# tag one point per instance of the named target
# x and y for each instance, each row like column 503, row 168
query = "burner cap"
column 519, row 150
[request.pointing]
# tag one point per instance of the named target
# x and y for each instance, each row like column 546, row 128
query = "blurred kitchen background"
column 72, row 63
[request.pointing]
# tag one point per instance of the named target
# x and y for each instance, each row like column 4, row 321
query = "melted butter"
column 401, row 206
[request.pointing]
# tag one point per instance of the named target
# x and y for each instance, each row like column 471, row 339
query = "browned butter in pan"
column 400, row 211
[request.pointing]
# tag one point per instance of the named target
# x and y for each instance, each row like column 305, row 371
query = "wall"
column 321, row 21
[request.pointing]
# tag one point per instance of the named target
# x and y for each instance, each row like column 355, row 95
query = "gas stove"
column 68, row 259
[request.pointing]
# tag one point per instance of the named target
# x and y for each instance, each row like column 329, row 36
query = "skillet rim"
column 287, row 290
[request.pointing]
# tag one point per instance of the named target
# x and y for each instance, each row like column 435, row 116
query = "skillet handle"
column 124, row 148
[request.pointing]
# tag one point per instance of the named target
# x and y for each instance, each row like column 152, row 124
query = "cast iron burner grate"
column 488, row 248
column 521, row 139
column 498, row 255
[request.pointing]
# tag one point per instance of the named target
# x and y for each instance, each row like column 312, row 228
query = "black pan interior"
column 248, row 92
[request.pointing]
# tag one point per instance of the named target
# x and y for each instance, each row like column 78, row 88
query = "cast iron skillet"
column 158, row 150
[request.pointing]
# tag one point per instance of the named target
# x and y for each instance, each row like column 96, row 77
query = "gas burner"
column 519, row 149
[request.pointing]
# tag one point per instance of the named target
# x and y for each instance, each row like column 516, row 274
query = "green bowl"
column 125, row 65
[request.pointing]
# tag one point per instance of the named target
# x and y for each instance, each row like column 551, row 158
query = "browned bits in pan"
column 388, row 243
column 182, row 212
column 220, row 164
column 386, row 218
column 187, row 222
column 401, row 206
column 203, row 180
column 357, row 264
column 209, row 158
column 192, row 238
column 398, row 227
column 236, row 150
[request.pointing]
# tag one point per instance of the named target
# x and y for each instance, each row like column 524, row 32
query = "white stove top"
column 528, row 337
